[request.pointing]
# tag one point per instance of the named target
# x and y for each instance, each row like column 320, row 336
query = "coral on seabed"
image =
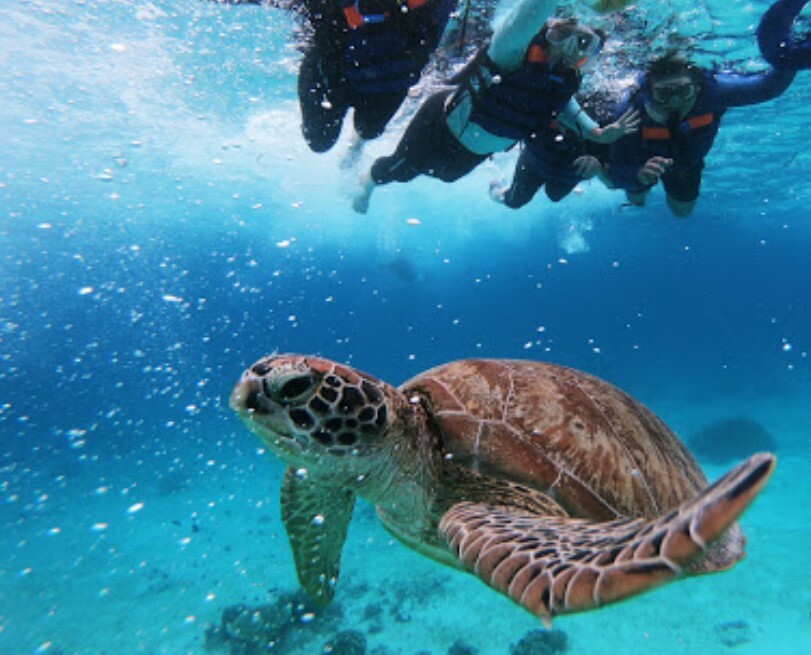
column 459, row 647
column 734, row 633
column 288, row 622
column 541, row 642
column 346, row 642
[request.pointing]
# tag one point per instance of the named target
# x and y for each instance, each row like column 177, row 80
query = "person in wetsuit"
column 555, row 158
column 526, row 75
column 681, row 106
column 364, row 54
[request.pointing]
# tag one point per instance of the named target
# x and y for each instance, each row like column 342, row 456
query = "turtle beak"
column 263, row 417
column 245, row 395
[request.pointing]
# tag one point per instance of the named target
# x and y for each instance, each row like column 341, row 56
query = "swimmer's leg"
column 526, row 182
column 322, row 97
column 680, row 208
column 682, row 186
column 637, row 198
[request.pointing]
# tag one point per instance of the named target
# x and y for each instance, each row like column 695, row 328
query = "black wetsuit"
column 427, row 135
column 507, row 106
column 546, row 160
column 369, row 66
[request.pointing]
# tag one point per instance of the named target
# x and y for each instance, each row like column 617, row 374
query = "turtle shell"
column 590, row 446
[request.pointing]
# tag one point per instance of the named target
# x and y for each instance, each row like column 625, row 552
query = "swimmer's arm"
column 512, row 37
column 737, row 89
column 778, row 45
column 576, row 119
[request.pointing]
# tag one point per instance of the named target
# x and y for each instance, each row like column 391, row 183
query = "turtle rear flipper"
column 553, row 565
column 317, row 519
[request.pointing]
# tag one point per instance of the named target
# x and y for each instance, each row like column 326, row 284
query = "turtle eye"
column 294, row 388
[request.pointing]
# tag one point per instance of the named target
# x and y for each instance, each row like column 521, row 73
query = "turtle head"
column 307, row 408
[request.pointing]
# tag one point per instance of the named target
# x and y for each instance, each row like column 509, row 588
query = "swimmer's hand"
column 628, row 123
column 607, row 6
column 653, row 169
column 587, row 167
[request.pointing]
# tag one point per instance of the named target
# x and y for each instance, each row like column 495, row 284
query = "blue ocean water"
column 162, row 225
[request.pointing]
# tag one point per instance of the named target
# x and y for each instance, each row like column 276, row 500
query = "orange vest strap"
column 700, row 121
column 537, row 54
column 353, row 17
column 663, row 134
column 655, row 133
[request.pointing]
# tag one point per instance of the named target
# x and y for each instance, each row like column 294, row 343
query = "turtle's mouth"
column 269, row 421
column 246, row 396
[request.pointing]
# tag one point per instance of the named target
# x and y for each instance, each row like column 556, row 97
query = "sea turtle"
column 551, row 485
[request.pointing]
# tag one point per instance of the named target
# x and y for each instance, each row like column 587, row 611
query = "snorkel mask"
column 575, row 42
column 684, row 91
column 672, row 77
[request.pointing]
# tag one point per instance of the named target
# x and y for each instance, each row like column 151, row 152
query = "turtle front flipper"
column 554, row 565
column 317, row 519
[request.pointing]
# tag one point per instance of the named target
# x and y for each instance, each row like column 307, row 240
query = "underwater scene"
column 168, row 226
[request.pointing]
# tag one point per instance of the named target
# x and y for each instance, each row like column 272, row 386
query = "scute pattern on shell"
column 586, row 443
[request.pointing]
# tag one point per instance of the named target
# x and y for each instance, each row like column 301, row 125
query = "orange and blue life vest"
column 515, row 104
column 689, row 141
column 387, row 48
column 357, row 16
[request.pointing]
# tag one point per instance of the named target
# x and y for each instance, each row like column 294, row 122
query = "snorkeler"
column 682, row 105
column 556, row 159
column 364, row 54
column 525, row 76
